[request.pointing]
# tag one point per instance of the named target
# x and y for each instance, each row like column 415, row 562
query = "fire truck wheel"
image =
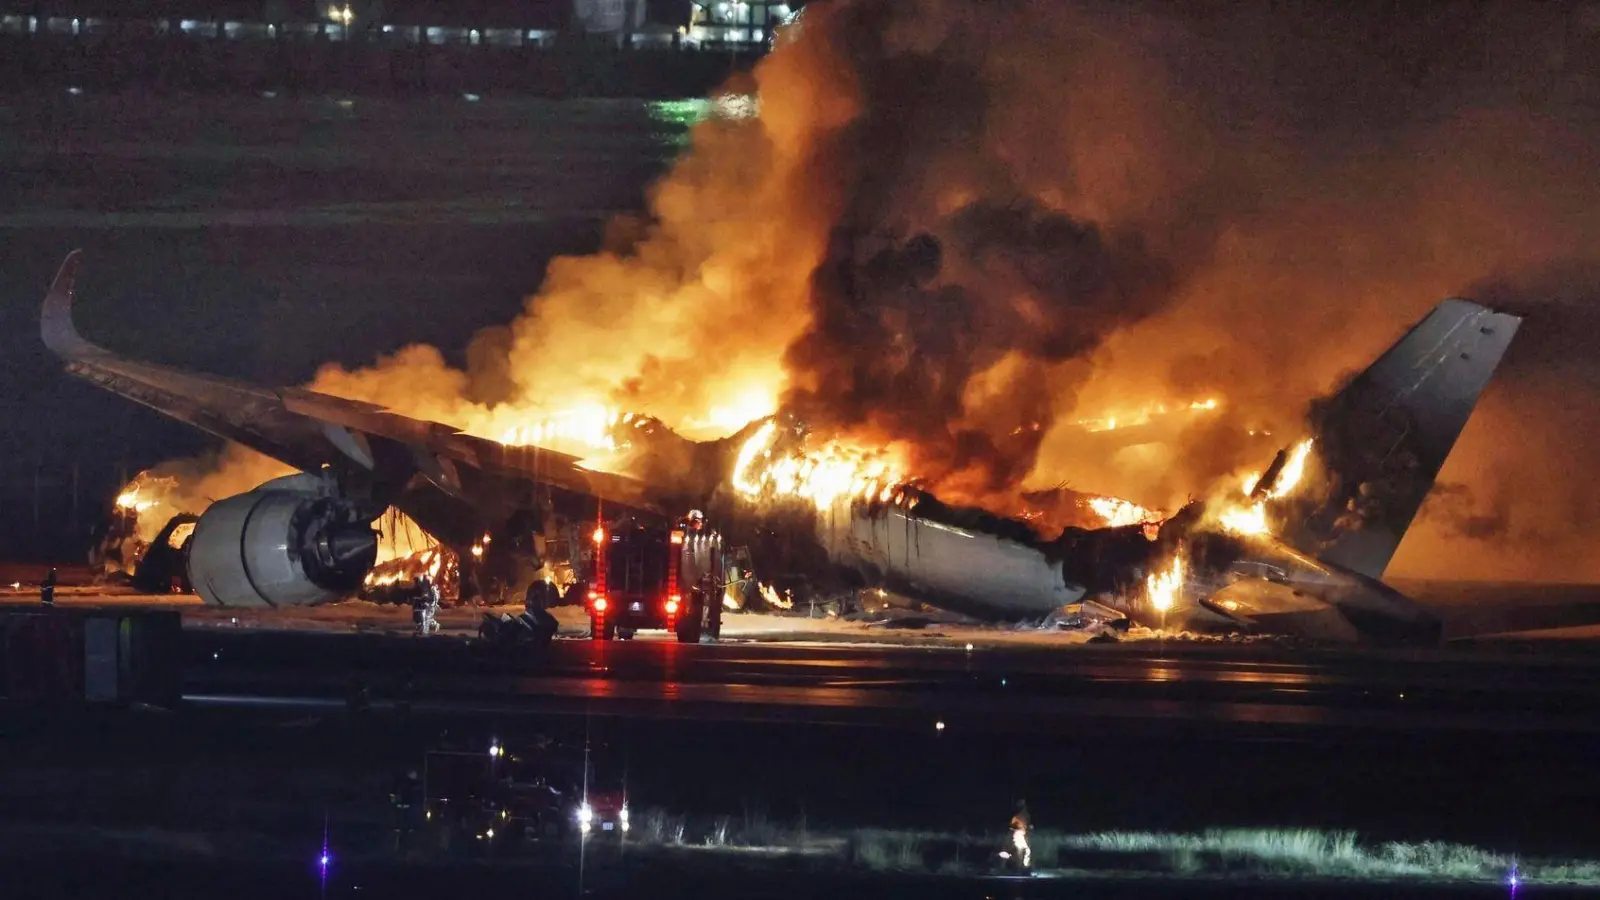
column 625, row 634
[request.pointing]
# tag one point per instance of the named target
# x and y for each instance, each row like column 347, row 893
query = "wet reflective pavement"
column 1005, row 689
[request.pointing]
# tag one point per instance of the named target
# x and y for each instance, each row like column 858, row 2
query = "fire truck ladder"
column 633, row 572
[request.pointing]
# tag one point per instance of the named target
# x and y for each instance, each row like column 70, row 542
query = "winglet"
column 55, row 321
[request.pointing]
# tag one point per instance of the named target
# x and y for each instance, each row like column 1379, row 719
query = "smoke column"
column 956, row 229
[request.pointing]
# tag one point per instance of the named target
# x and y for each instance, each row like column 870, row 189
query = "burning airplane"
column 1300, row 550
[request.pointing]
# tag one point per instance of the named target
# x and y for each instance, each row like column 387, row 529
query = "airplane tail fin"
column 1381, row 441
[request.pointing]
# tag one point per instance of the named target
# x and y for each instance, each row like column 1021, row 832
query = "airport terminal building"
column 678, row 24
column 544, row 47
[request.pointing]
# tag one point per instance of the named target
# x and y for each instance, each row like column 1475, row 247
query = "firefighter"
column 47, row 589
column 425, row 606
column 751, row 591
column 536, row 605
column 577, row 593
column 711, row 596
column 1021, row 824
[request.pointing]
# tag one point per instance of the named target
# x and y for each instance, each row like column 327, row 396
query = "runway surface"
column 784, row 668
column 992, row 688
column 294, row 714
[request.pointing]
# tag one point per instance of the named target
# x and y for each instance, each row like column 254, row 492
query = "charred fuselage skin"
column 1386, row 434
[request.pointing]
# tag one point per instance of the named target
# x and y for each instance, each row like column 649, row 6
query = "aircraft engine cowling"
column 271, row 548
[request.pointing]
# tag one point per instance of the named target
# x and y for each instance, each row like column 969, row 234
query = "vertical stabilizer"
column 1381, row 441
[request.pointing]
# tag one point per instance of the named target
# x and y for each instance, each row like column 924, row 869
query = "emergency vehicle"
column 488, row 803
column 653, row 575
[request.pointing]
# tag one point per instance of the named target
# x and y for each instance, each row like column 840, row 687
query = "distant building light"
column 74, row 91
column 388, row 29
column 272, row 31
column 473, row 36
column 472, row 98
column 188, row 25
column 344, row 15
column 77, row 25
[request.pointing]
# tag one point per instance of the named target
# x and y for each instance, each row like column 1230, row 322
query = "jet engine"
column 275, row 547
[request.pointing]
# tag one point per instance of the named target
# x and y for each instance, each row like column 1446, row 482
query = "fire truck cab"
column 655, row 575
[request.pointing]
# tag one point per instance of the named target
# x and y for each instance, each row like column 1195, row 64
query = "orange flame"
column 1118, row 512
column 774, row 599
column 1144, row 415
column 1251, row 518
column 833, row 471
column 1162, row 589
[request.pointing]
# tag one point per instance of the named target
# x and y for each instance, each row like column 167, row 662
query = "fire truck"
column 645, row 574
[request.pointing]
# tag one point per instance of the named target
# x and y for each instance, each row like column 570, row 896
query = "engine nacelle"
column 280, row 548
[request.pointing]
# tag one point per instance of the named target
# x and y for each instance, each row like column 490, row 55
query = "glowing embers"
column 820, row 475
column 1250, row 518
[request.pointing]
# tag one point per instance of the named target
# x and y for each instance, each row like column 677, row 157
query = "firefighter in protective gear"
column 536, row 603
column 1021, row 824
column 425, row 606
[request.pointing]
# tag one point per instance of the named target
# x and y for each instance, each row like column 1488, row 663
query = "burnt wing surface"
column 1382, row 439
column 308, row 430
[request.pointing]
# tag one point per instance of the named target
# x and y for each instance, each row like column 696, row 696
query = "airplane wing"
column 308, row 430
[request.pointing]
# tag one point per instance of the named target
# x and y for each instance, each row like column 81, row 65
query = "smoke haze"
column 958, row 229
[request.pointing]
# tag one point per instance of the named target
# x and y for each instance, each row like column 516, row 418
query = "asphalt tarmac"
column 1151, row 683
column 1458, row 747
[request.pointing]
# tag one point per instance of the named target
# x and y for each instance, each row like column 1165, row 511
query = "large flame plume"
column 764, row 470
column 960, row 229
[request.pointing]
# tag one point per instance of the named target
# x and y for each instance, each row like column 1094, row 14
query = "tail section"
column 1381, row 441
